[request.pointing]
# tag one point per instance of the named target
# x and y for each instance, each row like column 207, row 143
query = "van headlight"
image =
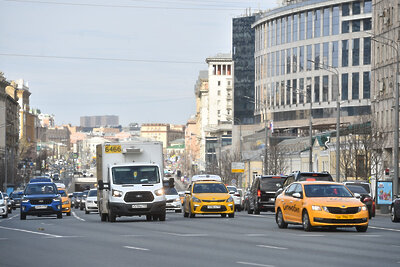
column 116, row 193
column 159, row 192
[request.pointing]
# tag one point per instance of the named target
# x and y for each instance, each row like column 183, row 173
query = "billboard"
column 237, row 167
column 384, row 193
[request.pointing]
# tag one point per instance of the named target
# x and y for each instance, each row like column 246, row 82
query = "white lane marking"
column 3, row 238
column 256, row 234
column 266, row 246
column 131, row 235
column 367, row 235
column 144, row 249
column 386, row 229
column 263, row 216
column 185, row 235
column 47, row 223
column 253, row 264
column 397, row 246
column 309, row 235
column 77, row 217
column 10, row 218
column 27, row 231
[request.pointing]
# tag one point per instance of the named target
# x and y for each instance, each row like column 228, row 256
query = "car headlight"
column 325, row 209
column 178, row 199
column 364, row 208
column 25, row 201
column 65, row 202
column 115, row 193
column 195, row 199
column 316, row 207
column 159, row 192
column 230, row 199
column 56, row 199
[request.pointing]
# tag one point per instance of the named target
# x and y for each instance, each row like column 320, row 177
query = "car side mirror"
column 297, row 195
column 187, row 192
column 357, row 195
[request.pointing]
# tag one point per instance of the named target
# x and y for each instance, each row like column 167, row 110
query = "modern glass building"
column 313, row 51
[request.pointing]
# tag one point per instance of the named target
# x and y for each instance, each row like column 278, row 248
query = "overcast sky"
column 135, row 59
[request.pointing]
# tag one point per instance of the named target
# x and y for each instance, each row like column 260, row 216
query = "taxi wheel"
column 191, row 215
column 306, row 222
column 59, row 215
column 68, row 213
column 393, row 216
column 223, row 215
column 231, row 215
column 185, row 214
column 362, row 228
column 279, row 220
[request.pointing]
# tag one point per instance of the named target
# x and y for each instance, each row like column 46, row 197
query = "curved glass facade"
column 311, row 51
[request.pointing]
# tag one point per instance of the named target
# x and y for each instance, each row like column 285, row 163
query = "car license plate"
column 344, row 216
column 142, row 206
column 40, row 207
column 214, row 207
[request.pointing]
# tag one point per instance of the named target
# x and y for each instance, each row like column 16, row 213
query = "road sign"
column 237, row 167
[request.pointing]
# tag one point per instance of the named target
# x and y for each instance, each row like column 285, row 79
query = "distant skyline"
column 135, row 59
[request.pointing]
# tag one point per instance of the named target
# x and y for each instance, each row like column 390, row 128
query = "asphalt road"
column 246, row 240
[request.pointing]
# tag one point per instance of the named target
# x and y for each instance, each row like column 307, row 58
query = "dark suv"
column 41, row 198
column 304, row 176
column 262, row 193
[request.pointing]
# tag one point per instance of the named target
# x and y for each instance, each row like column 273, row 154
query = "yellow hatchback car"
column 320, row 204
column 208, row 197
column 66, row 202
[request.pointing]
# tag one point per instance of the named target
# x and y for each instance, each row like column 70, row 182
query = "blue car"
column 41, row 198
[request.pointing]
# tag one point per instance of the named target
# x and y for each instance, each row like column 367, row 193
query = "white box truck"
column 130, row 180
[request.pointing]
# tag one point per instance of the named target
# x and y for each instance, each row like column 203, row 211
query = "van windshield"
column 135, row 175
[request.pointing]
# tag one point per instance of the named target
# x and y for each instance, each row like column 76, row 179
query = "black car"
column 304, row 176
column 16, row 196
column 262, row 193
column 395, row 209
column 365, row 196
column 83, row 199
column 78, row 199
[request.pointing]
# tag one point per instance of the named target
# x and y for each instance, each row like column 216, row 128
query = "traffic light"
column 387, row 171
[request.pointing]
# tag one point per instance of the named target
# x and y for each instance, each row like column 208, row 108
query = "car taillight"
column 259, row 193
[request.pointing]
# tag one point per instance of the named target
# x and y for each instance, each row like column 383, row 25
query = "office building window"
column 272, row 64
column 309, row 24
column 302, row 25
column 317, row 23
column 325, row 59
column 367, row 6
column 309, row 57
column 345, row 26
column 316, row 89
column 345, row 53
column 355, row 25
column 367, row 51
column 367, row 24
column 325, row 87
column 268, row 65
column 345, row 10
column 295, row 27
column 283, row 89
column 301, row 63
column 283, row 59
column 288, row 89
column 278, row 31
column 326, row 20
column 273, row 33
column 356, row 6
column 345, row 86
column 366, row 85
column 301, row 91
column 288, row 29
column 283, row 29
column 277, row 63
column 355, row 90
column 295, row 60
column 294, row 91
column 269, row 34
column 356, row 52
column 335, row 20
column 288, row 59
column 335, row 54
column 317, row 56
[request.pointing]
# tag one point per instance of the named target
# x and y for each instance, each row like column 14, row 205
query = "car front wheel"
column 393, row 215
column 306, row 222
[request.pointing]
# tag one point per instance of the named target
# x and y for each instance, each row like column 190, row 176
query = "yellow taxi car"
column 315, row 204
column 66, row 202
column 208, row 195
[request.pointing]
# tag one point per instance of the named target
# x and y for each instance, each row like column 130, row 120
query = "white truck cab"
column 130, row 180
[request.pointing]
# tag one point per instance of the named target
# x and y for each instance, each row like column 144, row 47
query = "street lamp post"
column 396, row 115
column 310, row 163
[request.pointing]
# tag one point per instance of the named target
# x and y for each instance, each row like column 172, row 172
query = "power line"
column 123, row 6
column 102, row 59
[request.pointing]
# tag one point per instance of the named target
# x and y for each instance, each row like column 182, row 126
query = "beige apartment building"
column 162, row 132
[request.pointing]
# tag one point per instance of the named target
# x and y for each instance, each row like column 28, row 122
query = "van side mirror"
column 102, row 185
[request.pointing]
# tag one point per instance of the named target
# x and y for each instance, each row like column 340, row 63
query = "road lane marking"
column 185, row 235
column 309, row 235
column 367, row 235
column 136, row 248
column 77, row 217
column 131, row 235
column 266, row 246
column 256, row 234
column 263, row 216
column 10, row 218
column 253, row 264
column 386, row 229
column 397, row 246
column 27, row 231
column 3, row 238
